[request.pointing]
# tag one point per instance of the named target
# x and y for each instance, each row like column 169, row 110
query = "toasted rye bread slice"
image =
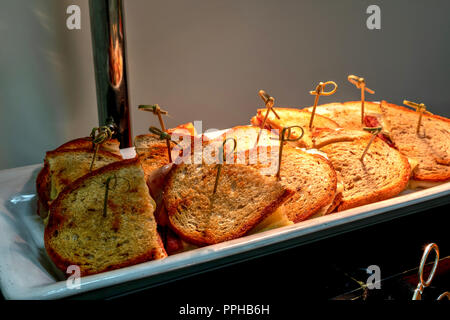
column 154, row 158
column 322, row 137
column 310, row 175
column 155, row 163
column 79, row 233
column 43, row 178
column 430, row 148
column 65, row 166
column 295, row 117
column 112, row 145
column 383, row 173
column 348, row 114
column 184, row 129
column 242, row 200
column 246, row 137
column 153, row 151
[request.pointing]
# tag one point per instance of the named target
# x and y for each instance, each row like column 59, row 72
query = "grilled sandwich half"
column 43, row 180
column 348, row 114
column 383, row 173
column 104, row 221
column 294, row 117
column 430, row 148
column 243, row 199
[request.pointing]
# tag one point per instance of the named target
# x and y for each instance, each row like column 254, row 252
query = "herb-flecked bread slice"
column 83, row 231
column 43, row 178
column 243, row 198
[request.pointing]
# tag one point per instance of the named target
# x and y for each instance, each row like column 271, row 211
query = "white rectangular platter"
column 26, row 272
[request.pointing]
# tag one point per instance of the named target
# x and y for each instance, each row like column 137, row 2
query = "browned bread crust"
column 383, row 174
column 112, row 145
column 43, row 191
column 431, row 148
column 130, row 208
column 311, row 176
column 43, row 178
column 65, row 175
column 348, row 114
column 243, row 199
column 246, row 137
column 324, row 136
column 294, row 117
column 189, row 127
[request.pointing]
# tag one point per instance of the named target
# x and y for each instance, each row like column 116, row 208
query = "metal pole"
column 108, row 45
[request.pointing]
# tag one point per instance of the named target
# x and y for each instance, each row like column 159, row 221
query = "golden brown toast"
column 154, row 158
column 81, row 232
column 43, row 178
column 246, row 137
column 430, row 148
column 311, row 176
column 348, row 114
column 112, row 145
column 294, row 117
column 383, row 173
column 242, row 200
column 67, row 165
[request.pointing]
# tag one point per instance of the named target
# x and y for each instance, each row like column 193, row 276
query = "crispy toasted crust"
column 298, row 213
column 311, row 176
column 246, row 137
column 173, row 202
column 43, row 178
column 185, row 126
column 53, row 153
column 384, row 173
column 432, row 166
column 337, row 200
column 111, row 145
column 348, row 114
column 294, row 117
column 154, row 158
column 69, row 175
column 58, row 219
column 405, row 109
column 43, row 190
column 323, row 136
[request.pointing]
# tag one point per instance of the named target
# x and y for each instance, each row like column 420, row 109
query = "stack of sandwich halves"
column 103, row 212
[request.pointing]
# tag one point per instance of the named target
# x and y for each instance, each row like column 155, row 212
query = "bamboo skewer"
column 360, row 83
column 319, row 91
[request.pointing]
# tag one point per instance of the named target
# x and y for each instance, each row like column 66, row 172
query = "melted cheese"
column 324, row 210
column 413, row 163
column 276, row 220
column 315, row 151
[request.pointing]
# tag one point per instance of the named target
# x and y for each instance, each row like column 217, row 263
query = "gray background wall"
column 207, row 59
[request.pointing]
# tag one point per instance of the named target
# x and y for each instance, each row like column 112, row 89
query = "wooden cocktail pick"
column 360, row 83
column 374, row 131
column 319, row 91
column 222, row 159
column 163, row 136
column 269, row 102
column 99, row 136
column 105, row 202
column 283, row 138
column 156, row 109
column 420, row 108
column 107, row 188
